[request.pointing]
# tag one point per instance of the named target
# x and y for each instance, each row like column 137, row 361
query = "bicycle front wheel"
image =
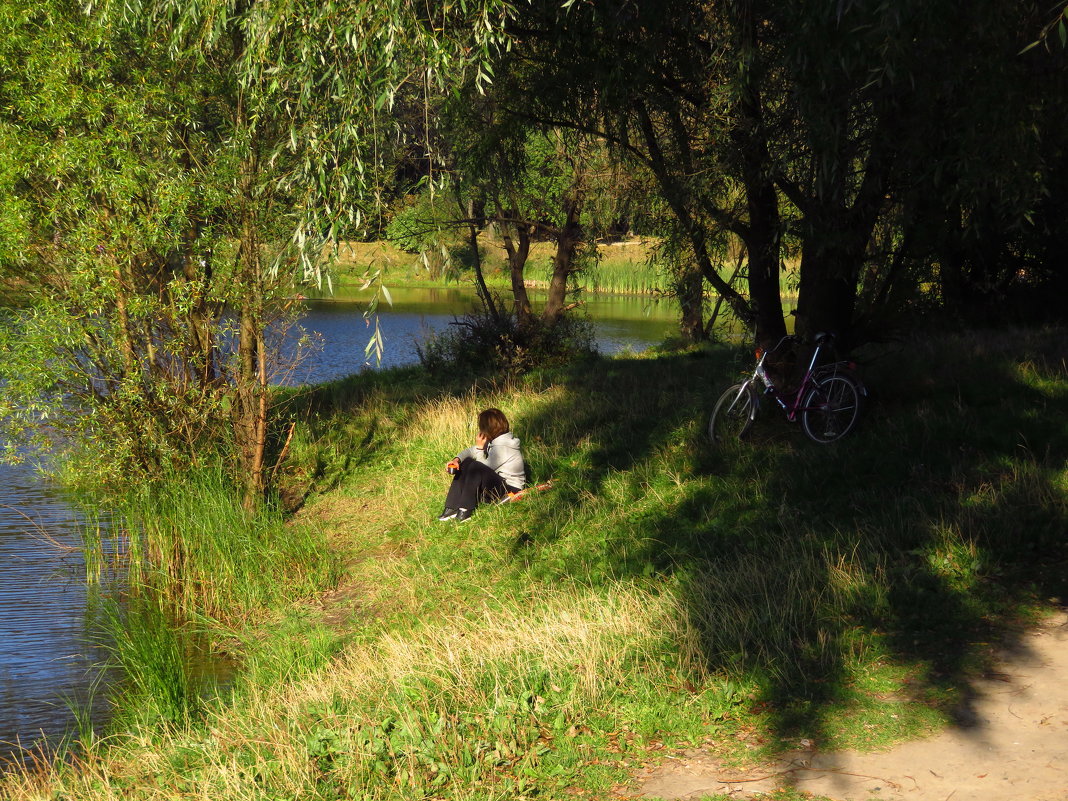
column 733, row 414
column 831, row 408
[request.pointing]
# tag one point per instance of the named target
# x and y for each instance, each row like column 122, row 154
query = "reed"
column 623, row 282
column 624, row 272
column 152, row 652
column 190, row 539
column 620, row 268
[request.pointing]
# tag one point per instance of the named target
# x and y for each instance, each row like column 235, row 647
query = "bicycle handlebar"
column 821, row 338
column 783, row 341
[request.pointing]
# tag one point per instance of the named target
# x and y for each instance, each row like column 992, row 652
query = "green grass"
column 663, row 595
column 152, row 653
column 181, row 564
column 624, row 270
column 190, row 539
column 621, row 268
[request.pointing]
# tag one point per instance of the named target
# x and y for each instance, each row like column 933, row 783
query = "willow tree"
column 168, row 162
column 315, row 83
column 115, row 349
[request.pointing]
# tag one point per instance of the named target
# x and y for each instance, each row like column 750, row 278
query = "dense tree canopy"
column 168, row 169
column 885, row 153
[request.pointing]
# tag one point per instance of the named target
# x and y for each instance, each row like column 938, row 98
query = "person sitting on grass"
column 487, row 471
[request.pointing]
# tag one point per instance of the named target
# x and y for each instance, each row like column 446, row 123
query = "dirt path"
column 1014, row 747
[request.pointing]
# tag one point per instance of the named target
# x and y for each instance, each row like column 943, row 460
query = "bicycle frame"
column 791, row 403
column 826, row 402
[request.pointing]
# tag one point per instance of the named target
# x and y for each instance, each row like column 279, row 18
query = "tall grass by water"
column 663, row 595
column 624, row 272
column 619, row 268
column 181, row 563
column 191, row 539
column 152, row 653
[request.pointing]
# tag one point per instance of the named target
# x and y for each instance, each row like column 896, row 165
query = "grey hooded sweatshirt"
column 502, row 455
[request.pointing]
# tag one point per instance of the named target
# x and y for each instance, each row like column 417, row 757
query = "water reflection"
column 619, row 322
column 46, row 657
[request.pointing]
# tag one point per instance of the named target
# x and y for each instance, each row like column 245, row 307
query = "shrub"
column 480, row 344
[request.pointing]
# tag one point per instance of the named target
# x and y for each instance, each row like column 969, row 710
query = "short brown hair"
column 492, row 423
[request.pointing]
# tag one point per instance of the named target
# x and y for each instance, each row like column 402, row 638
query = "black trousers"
column 475, row 483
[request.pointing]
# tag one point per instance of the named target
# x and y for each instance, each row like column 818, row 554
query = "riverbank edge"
column 414, row 591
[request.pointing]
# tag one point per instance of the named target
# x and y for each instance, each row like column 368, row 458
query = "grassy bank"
column 661, row 595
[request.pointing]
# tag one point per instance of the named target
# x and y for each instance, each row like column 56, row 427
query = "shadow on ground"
column 929, row 534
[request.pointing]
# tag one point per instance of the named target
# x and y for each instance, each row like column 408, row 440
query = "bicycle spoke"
column 732, row 415
column 831, row 409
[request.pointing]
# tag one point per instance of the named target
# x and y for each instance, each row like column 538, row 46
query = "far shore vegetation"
column 626, row 266
column 623, row 267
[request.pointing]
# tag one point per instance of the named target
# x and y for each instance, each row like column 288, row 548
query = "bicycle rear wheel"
column 733, row 414
column 831, row 408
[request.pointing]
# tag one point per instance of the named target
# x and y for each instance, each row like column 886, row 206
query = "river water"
column 618, row 322
column 47, row 658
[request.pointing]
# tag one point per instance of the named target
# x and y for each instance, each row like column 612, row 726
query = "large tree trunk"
column 837, row 237
column 827, row 294
column 762, row 200
column 831, row 257
column 762, row 244
column 690, row 287
column 567, row 243
column 250, row 413
column 518, row 249
column 250, row 407
column 250, row 401
column 830, row 271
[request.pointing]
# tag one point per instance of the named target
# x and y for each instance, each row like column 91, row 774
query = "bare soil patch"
column 1010, row 743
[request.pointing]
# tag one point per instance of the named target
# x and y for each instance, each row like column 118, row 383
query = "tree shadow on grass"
column 925, row 536
column 915, row 541
column 347, row 419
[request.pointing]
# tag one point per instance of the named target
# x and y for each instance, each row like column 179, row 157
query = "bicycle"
column 828, row 400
